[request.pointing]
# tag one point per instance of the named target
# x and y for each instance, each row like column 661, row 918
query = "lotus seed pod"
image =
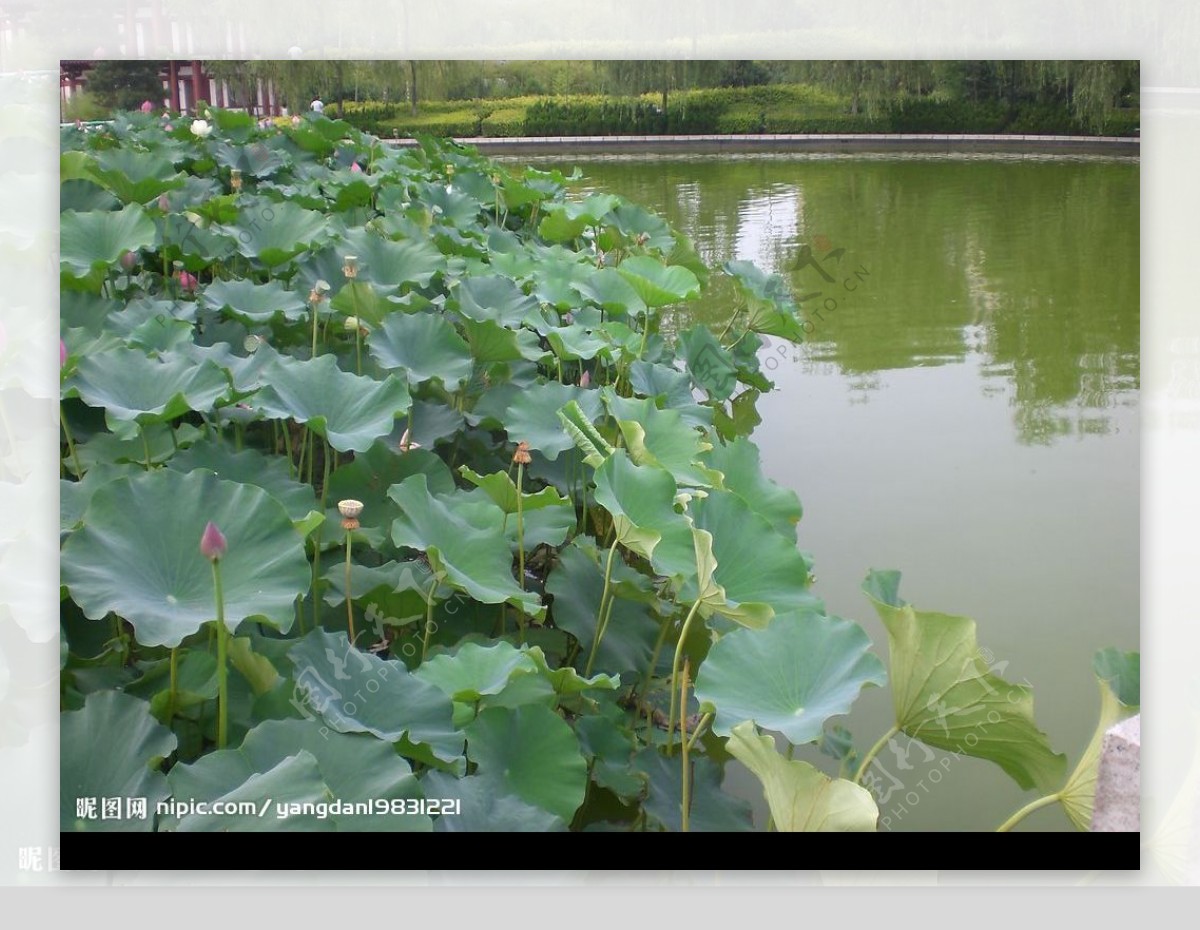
column 521, row 456
column 213, row 543
column 350, row 266
column 350, row 508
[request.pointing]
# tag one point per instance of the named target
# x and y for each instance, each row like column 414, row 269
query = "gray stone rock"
column 1119, row 781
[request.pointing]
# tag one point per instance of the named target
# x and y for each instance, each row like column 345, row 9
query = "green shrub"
column 504, row 123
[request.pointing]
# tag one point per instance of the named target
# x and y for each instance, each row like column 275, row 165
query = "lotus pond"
column 402, row 488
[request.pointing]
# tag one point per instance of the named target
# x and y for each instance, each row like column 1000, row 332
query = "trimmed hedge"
column 772, row 108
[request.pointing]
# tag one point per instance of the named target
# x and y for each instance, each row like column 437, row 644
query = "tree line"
column 1092, row 89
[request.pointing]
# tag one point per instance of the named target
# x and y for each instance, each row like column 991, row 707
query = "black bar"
column 256, row 851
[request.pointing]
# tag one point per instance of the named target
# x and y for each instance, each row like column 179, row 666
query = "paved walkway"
column 799, row 142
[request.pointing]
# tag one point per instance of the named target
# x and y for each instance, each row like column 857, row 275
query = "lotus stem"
column 700, row 727
column 686, row 780
column 428, row 619
column 1026, row 811
column 521, row 524
column 600, row 614
column 62, row 416
column 171, row 699
column 349, row 599
column 316, row 324
column 222, row 650
column 658, row 644
column 287, row 448
column 683, row 633
column 145, row 444
column 873, row 752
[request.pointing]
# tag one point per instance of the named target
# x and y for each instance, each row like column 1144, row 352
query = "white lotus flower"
column 201, row 128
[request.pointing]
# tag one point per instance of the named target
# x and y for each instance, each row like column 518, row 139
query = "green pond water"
column 965, row 410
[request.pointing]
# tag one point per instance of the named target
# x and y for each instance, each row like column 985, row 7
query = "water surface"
column 965, row 409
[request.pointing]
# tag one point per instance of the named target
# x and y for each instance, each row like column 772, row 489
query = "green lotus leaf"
column 453, row 206
column 255, row 303
column 503, row 491
column 738, row 462
column 712, row 810
column 363, row 300
column 576, row 583
column 474, row 555
column 356, row 768
column 752, row 280
column 90, row 243
column 1119, row 678
column 759, row 572
column 350, row 411
column 392, row 263
column 432, row 422
column 610, row 748
column 258, row 671
column 664, row 438
column 708, row 363
column 491, row 342
column 741, row 419
column 487, row 805
column 134, row 177
column 111, row 748
column 771, row 307
column 802, row 799
column 198, row 247
column 634, row 221
column 641, row 500
column 610, row 290
column 790, row 677
column 356, row 692
column 249, row 467
column 530, row 414
column 658, row 284
column 557, row 273
column 473, row 671
column 295, row 779
column 83, row 195
column 495, row 298
column 195, row 682
column 73, row 496
column 424, row 346
column 583, row 433
column 138, row 555
column 254, row 160
column 563, row 222
column 369, row 476
column 151, row 325
column 943, row 690
column 532, row 752
column 130, row 385
column 650, row 379
column 576, row 342
column 275, row 233
column 565, row 680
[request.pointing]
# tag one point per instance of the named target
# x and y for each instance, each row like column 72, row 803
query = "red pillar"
column 199, row 91
column 173, row 80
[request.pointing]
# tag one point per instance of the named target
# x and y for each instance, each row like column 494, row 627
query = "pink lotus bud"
column 187, row 281
column 212, row 542
column 354, row 169
column 163, row 203
column 169, row 128
column 585, row 379
column 129, row 261
column 147, row 106
column 62, row 354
